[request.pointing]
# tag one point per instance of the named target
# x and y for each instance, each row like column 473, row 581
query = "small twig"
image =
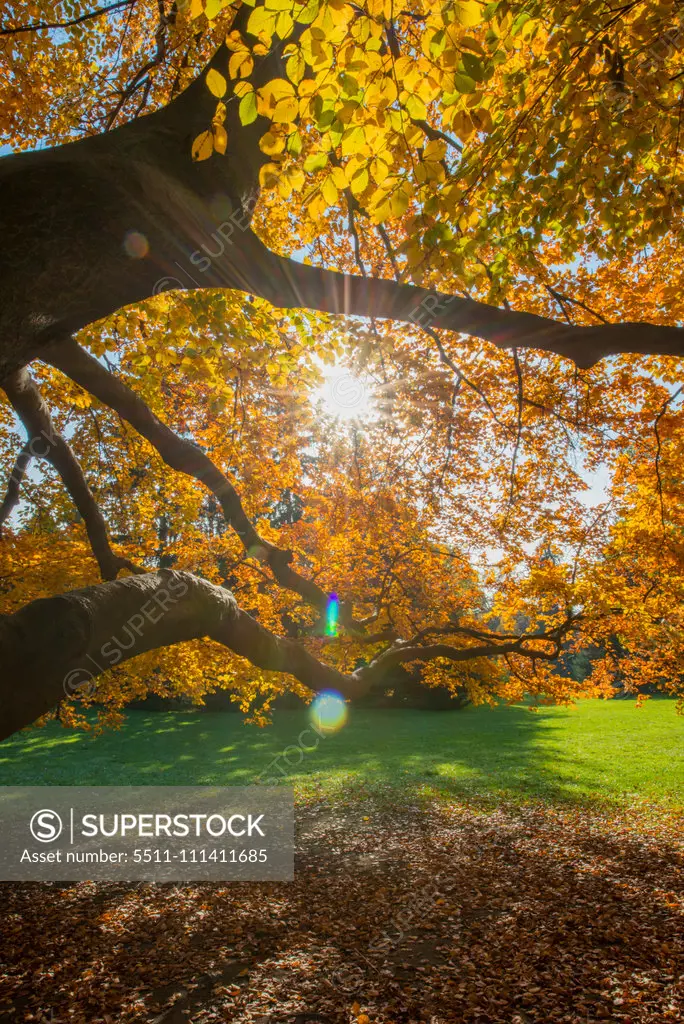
column 41, row 25
column 462, row 377
column 560, row 298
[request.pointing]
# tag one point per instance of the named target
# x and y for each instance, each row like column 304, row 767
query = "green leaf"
column 464, row 83
column 315, row 162
column 472, row 65
column 519, row 23
column 248, row 108
column 325, row 119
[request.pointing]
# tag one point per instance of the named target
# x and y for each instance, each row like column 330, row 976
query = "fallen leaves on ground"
column 413, row 914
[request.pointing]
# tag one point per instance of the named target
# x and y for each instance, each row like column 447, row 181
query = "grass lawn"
column 597, row 751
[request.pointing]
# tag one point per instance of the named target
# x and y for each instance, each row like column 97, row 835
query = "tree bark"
column 16, row 479
column 290, row 284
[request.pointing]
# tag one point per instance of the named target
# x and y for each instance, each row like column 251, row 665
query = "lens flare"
column 328, row 711
column 344, row 396
column 332, row 612
column 136, row 245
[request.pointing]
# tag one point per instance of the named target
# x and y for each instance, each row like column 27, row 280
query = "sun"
column 342, row 395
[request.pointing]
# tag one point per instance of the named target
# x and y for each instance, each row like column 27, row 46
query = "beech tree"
column 473, row 208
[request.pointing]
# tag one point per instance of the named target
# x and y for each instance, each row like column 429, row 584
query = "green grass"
column 595, row 752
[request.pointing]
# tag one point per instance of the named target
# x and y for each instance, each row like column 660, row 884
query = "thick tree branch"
column 518, row 432
column 428, row 652
column 292, row 284
column 434, row 134
column 61, row 644
column 45, row 441
column 86, row 632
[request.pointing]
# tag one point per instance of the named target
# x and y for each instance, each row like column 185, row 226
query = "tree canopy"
column 465, row 217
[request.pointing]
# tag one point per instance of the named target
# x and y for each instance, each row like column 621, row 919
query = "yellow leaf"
column 277, row 100
column 216, row 83
column 284, row 25
column 339, row 178
column 482, row 119
column 415, row 107
column 271, row 144
column 212, row 8
column 285, row 111
column 240, row 64
column 268, row 175
column 435, row 150
column 462, row 124
column 296, row 176
column 261, row 22
column 220, row 138
column 359, row 181
column 317, row 206
column 469, row 13
column 295, row 67
column 379, row 170
column 274, row 91
column 203, row 146
column 398, row 203
column 329, row 191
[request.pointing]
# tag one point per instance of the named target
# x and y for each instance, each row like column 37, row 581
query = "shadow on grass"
column 478, row 755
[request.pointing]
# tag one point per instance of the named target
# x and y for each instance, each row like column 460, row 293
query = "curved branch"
column 11, row 499
column 434, row 134
column 428, row 652
column 86, row 632
column 33, row 413
column 518, row 431
column 185, row 457
column 142, row 174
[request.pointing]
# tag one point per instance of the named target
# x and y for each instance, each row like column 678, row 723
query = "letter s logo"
column 46, row 826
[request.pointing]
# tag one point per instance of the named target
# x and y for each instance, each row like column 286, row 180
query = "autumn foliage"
column 521, row 154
